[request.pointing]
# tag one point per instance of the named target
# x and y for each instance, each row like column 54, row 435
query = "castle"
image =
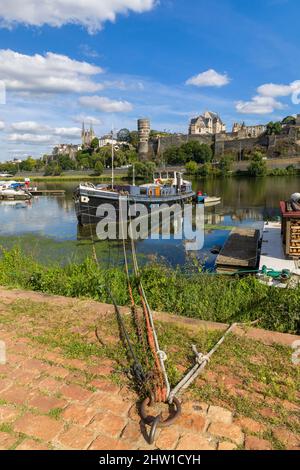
column 210, row 130
column 244, row 131
column 207, row 124
column 87, row 136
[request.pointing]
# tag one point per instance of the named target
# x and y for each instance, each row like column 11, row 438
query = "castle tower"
column 144, row 134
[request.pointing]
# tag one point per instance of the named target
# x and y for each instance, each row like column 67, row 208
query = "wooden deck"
column 48, row 192
column 240, row 252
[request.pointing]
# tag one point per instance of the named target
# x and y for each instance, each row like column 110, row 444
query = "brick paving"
column 50, row 402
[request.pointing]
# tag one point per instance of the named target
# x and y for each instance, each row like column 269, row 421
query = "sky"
column 111, row 62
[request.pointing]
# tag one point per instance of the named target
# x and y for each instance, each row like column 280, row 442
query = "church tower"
column 87, row 136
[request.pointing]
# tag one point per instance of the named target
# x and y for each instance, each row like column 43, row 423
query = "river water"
column 47, row 226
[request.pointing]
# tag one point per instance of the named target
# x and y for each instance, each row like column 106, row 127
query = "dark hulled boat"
column 165, row 189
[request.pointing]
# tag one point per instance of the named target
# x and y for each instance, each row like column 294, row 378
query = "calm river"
column 47, row 226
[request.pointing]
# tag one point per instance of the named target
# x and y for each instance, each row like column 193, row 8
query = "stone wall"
column 285, row 145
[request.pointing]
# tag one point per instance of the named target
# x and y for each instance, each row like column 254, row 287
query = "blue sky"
column 167, row 60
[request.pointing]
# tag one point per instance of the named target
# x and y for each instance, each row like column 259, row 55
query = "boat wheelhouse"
column 166, row 188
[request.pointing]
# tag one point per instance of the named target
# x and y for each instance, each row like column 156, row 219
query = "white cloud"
column 265, row 101
column 106, row 105
column 89, row 13
column 273, row 90
column 210, row 78
column 87, row 119
column 259, row 105
column 49, row 73
column 33, row 132
column 67, row 131
column 87, row 51
column 30, row 138
column 30, row 127
column 2, row 125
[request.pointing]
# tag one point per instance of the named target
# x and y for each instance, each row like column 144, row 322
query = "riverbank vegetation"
column 257, row 167
column 198, row 295
column 94, row 158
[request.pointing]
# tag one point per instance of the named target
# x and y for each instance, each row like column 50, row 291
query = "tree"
column 85, row 164
column 39, row 164
column 53, row 169
column 99, row 167
column 131, row 156
column 200, row 153
column 95, row 143
column 206, row 169
column 175, row 156
column 274, row 128
column 225, row 164
column 28, row 164
column 9, row 168
column 142, row 170
column 258, row 166
column 123, row 135
column 191, row 168
column 190, row 151
column 134, row 138
column 105, row 154
column 65, row 162
column 289, row 120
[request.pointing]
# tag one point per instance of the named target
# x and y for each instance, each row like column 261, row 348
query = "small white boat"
column 12, row 194
column 212, row 201
column 208, row 201
column 14, row 191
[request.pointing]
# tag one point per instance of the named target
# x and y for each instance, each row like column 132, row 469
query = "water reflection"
column 244, row 202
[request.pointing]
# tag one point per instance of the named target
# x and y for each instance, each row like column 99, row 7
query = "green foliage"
column 134, row 138
column 203, row 296
column 95, row 143
column 155, row 134
column 225, row 164
column 290, row 120
column 142, row 170
column 207, row 170
column 274, row 128
column 190, row 151
column 28, row 164
column 290, row 170
column 258, row 166
column 191, row 168
column 9, row 168
column 123, row 135
column 53, row 169
column 98, row 170
column 65, row 162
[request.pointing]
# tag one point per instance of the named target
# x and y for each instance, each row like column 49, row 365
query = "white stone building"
column 207, row 124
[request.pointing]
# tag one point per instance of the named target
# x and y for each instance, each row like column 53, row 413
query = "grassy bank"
column 201, row 296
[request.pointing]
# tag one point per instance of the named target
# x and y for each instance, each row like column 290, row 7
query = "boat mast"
column 112, row 158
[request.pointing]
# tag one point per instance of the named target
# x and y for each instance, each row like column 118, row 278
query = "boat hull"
column 87, row 203
column 11, row 195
